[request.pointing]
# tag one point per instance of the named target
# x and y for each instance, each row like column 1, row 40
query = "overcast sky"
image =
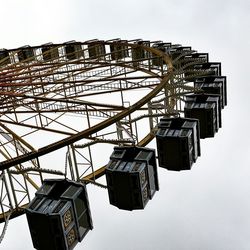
column 207, row 208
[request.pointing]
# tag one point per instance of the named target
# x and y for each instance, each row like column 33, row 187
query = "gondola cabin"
column 213, row 67
column 204, row 69
column 177, row 51
column 190, row 60
column 131, row 176
column 178, row 143
column 164, row 47
column 49, row 52
column 213, row 85
column 96, row 50
column 139, row 53
column 59, row 216
column 4, row 57
column 197, row 57
column 73, row 50
column 26, row 54
column 119, row 50
column 207, row 109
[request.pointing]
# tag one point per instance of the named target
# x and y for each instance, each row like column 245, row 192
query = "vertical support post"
column 70, row 164
column 119, row 131
column 150, row 112
column 74, row 163
column 5, row 186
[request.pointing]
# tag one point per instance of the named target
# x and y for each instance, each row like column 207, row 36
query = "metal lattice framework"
column 63, row 106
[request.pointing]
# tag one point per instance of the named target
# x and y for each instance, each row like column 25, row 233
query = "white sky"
column 203, row 209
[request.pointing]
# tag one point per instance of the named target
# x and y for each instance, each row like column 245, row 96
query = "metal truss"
column 80, row 99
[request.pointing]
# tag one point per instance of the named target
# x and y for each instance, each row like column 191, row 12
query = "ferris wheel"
column 66, row 107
